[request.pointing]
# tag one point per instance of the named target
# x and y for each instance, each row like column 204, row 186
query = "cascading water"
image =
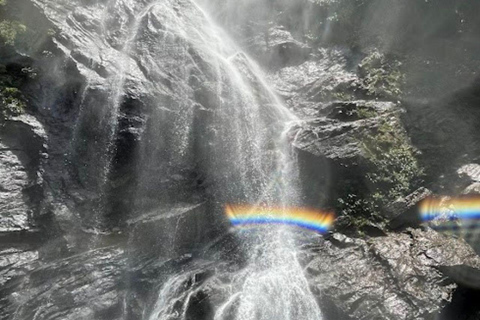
column 208, row 113
column 245, row 151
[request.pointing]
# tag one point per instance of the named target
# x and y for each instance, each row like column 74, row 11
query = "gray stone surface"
column 22, row 151
column 392, row 277
column 86, row 286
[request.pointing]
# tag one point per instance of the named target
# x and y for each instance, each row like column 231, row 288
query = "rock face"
column 174, row 232
column 23, row 148
column 15, row 213
column 336, row 136
column 409, row 263
column 87, row 286
column 404, row 211
column 399, row 276
column 471, row 171
column 147, row 129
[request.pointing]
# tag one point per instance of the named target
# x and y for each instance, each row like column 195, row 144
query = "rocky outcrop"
column 337, row 136
column 86, row 286
column 398, row 276
column 404, row 212
column 469, row 174
column 326, row 76
column 23, row 151
column 470, row 171
column 15, row 263
column 401, row 274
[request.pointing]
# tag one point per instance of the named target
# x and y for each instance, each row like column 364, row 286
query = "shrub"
column 395, row 170
column 381, row 76
column 12, row 103
column 10, row 29
column 392, row 172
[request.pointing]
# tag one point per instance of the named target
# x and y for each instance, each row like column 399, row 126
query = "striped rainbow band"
column 467, row 208
column 314, row 220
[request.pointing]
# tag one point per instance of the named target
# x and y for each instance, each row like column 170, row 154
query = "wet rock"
column 470, row 173
column 397, row 276
column 332, row 156
column 281, row 49
column 336, row 136
column 136, row 121
column 173, row 230
column 15, row 263
column 393, row 277
column 472, row 189
column 15, row 212
column 326, row 77
column 22, row 152
column 404, row 211
column 86, row 286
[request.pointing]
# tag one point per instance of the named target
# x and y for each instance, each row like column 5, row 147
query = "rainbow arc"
column 309, row 219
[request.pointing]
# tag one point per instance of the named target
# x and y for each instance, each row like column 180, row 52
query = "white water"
column 252, row 162
column 271, row 287
column 211, row 111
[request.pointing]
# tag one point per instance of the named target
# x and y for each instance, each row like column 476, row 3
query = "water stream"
column 212, row 112
column 251, row 162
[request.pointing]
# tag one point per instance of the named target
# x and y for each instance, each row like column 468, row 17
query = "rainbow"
column 314, row 220
column 465, row 208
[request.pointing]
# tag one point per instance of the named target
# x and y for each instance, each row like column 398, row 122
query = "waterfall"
column 206, row 115
column 244, row 149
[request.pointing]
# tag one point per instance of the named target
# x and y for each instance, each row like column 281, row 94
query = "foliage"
column 381, row 76
column 12, row 77
column 393, row 172
column 12, row 103
column 358, row 213
column 343, row 96
column 365, row 113
column 10, row 29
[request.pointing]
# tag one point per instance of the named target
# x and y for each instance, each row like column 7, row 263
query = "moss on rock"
column 395, row 170
column 392, row 171
column 381, row 75
column 12, row 103
column 9, row 29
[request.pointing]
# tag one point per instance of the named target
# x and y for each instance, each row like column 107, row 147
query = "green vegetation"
column 343, row 96
column 365, row 112
column 358, row 213
column 381, row 76
column 12, row 103
column 393, row 172
column 9, row 29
